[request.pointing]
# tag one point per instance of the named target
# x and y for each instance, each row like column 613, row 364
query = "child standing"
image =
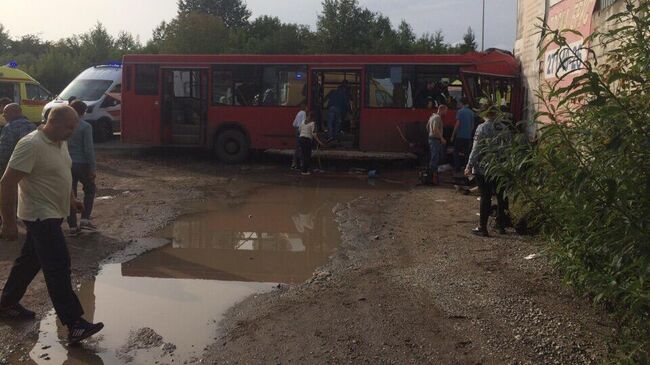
column 307, row 137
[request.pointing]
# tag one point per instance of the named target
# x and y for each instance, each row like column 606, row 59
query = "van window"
column 86, row 90
column 146, row 79
column 7, row 90
column 37, row 92
column 116, row 89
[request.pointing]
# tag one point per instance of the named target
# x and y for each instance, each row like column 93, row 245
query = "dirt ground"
column 409, row 283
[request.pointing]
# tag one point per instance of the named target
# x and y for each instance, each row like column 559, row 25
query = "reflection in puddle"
column 180, row 310
column 223, row 253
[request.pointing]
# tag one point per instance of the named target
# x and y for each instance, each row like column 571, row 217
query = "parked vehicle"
column 235, row 103
column 99, row 87
column 24, row 90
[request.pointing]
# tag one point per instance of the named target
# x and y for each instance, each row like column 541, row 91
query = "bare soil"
column 409, row 283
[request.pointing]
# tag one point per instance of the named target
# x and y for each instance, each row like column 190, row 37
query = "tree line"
column 225, row 26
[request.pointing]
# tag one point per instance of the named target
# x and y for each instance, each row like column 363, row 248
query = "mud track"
column 409, row 283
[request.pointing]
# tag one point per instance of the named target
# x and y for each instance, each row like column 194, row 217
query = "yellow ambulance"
column 24, row 90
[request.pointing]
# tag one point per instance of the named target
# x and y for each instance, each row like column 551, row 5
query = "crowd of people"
column 469, row 140
column 42, row 166
column 472, row 130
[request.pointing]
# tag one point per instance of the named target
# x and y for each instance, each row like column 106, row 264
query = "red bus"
column 234, row 103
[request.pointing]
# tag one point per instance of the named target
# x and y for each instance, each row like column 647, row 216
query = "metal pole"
column 483, row 30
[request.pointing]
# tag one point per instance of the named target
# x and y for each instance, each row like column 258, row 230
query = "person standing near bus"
column 3, row 103
column 462, row 135
column 16, row 128
column 436, row 141
column 307, row 136
column 82, row 153
column 485, row 133
column 39, row 169
column 297, row 122
column 338, row 103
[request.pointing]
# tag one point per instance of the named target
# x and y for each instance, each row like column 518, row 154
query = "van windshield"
column 86, row 90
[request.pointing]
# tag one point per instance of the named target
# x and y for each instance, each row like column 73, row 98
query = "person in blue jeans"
column 462, row 135
column 338, row 104
column 436, row 141
column 82, row 153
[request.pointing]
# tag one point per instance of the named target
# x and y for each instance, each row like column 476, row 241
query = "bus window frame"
column 259, row 73
column 440, row 71
column 149, row 92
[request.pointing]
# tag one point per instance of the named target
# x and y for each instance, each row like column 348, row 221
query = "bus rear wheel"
column 232, row 146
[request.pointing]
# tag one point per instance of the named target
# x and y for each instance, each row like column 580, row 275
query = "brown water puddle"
column 215, row 256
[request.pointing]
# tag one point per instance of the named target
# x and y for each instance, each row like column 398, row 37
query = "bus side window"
column 146, row 79
column 390, row 87
column 222, row 87
column 283, row 86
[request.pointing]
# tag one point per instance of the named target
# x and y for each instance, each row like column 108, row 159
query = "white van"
column 100, row 88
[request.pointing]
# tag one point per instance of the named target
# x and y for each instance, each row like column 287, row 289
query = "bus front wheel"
column 232, row 146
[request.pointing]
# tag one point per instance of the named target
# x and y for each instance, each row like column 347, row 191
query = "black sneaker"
column 17, row 312
column 480, row 231
column 82, row 330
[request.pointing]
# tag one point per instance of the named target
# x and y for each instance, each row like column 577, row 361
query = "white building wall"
column 527, row 50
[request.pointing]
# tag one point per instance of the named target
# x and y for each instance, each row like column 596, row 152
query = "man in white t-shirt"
column 39, row 173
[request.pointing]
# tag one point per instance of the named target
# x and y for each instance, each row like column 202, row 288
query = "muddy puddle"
column 164, row 306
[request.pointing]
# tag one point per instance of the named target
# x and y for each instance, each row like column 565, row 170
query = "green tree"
column 57, row 68
column 5, row 42
column 469, row 42
column 195, row 33
column 234, row 13
column 126, row 43
column 383, row 38
column 343, row 27
column 432, row 43
column 268, row 35
column 154, row 45
column 30, row 44
column 405, row 38
column 96, row 46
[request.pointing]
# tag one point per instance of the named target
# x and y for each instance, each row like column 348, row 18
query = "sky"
column 53, row 20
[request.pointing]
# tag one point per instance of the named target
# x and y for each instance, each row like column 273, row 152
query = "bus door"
column 324, row 84
column 184, row 106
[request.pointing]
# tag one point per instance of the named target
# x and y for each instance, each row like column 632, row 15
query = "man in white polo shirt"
column 40, row 166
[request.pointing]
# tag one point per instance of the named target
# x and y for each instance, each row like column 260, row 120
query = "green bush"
column 587, row 175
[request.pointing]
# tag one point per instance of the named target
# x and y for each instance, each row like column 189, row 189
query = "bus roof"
column 494, row 62
column 14, row 74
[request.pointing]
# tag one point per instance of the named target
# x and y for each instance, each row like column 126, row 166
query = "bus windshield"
column 86, row 90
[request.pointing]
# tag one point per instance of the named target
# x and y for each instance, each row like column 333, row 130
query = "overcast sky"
column 53, row 20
